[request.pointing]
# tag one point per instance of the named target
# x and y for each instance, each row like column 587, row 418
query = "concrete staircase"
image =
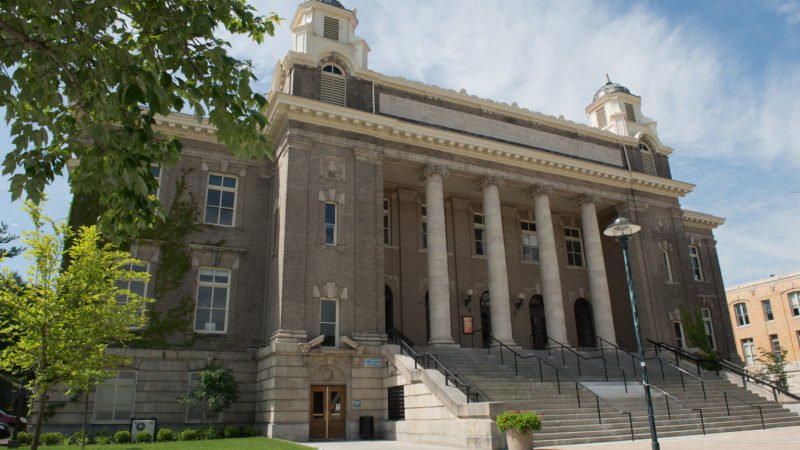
column 574, row 414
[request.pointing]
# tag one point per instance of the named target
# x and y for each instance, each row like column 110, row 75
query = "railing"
column 681, row 372
column 429, row 361
column 667, row 396
column 578, row 384
column 726, row 365
column 578, row 357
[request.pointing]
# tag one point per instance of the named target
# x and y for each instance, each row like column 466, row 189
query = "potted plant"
column 519, row 427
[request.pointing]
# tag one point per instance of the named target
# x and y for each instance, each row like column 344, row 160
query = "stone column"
column 438, row 277
column 598, row 282
column 496, row 261
column 549, row 266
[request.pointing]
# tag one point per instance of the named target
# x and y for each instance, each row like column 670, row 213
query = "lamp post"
column 622, row 229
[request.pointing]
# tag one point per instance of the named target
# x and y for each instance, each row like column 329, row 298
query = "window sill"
column 530, row 262
column 478, row 256
column 220, row 227
column 211, row 333
column 576, row 267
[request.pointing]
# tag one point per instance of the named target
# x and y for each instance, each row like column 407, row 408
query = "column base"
column 442, row 342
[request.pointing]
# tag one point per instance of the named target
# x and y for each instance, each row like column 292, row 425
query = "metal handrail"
column 668, row 396
column 578, row 357
column 425, row 359
column 577, row 383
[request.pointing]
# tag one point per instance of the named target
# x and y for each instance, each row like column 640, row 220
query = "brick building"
column 395, row 204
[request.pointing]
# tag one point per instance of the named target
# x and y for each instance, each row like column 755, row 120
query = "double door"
column 328, row 418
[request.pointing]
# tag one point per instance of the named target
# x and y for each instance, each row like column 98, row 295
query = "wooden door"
column 327, row 417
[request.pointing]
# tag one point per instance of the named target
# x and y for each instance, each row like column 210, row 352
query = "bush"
column 209, row 432
column 522, row 421
column 165, row 435
column 52, row 438
column 122, row 437
column 188, row 435
column 248, row 431
column 24, row 438
column 232, row 432
column 143, row 437
column 77, row 439
column 102, row 438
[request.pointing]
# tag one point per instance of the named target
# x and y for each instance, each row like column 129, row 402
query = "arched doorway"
column 584, row 323
column 538, row 324
column 388, row 302
column 427, row 319
column 486, row 319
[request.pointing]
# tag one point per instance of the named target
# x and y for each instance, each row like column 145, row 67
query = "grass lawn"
column 252, row 443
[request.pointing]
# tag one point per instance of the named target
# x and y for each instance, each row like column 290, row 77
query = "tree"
column 773, row 367
column 85, row 80
column 6, row 238
column 63, row 320
column 216, row 391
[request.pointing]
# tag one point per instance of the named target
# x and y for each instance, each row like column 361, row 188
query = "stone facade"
column 393, row 204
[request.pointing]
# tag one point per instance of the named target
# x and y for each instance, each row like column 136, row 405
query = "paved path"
column 787, row 438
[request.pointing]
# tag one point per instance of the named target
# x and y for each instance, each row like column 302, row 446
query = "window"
column 768, row 316
column 155, row 170
column 648, row 160
column 387, row 222
column 211, row 314
column 333, row 87
column 137, row 286
column 742, row 318
column 602, row 121
column 479, row 227
column 424, row 218
column 328, row 315
column 330, row 28
column 195, row 414
column 776, row 346
column 114, row 398
column 794, row 303
column 797, row 334
column 220, row 200
column 629, row 114
column 697, row 268
column 680, row 342
column 396, row 403
column 574, row 247
column 330, row 223
column 749, row 351
column 708, row 325
column 667, row 267
column 530, row 244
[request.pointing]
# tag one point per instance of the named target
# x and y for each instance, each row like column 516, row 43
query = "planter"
column 519, row 441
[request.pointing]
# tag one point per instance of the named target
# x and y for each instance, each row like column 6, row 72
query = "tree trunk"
column 39, row 422
column 85, row 416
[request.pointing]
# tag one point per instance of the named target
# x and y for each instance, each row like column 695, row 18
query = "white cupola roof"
column 322, row 28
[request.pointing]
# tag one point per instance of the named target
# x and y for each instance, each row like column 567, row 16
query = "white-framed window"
column 387, row 221
column 749, row 351
column 667, row 267
column 114, row 398
column 697, row 267
column 221, row 200
column 530, row 243
column 155, row 170
column 572, row 236
column 768, row 315
column 330, row 223
column 423, row 211
column 136, row 286
column 776, row 346
column 329, row 321
column 333, row 87
column 213, row 289
column 794, row 303
column 479, row 233
column 742, row 318
column 708, row 326
column 194, row 414
column 677, row 327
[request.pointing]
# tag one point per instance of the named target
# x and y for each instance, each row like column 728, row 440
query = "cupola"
column 322, row 28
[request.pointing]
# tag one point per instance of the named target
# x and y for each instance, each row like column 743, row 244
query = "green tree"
column 773, row 367
column 63, row 320
column 695, row 329
column 216, row 391
column 6, row 238
column 85, row 80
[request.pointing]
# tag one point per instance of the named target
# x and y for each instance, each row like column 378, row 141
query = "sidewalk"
column 784, row 438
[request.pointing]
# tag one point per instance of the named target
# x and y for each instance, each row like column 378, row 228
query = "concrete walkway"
column 771, row 439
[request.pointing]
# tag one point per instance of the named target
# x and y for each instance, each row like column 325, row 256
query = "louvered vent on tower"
column 331, row 28
column 333, row 87
column 630, row 115
column 648, row 160
column 601, row 117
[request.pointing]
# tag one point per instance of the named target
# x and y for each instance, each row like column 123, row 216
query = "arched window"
column 648, row 159
column 333, row 88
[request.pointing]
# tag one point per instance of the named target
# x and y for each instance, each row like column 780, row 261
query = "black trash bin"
column 366, row 428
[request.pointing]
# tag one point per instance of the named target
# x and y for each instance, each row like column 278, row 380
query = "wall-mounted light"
column 469, row 293
column 520, row 300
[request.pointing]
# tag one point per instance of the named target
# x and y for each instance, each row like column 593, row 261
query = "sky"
column 721, row 78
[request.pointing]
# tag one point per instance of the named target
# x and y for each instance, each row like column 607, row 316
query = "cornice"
column 186, row 126
column 284, row 107
column 701, row 220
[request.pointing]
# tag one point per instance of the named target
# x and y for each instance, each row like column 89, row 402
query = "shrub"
column 102, row 438
column 24, row 438
column 188, row 435
column 232, row 432
column 248, row 431
column 165, row 435
column 522, row 421
column 122, row 437
column 144, row 437
column 210, row 432
column 77, row 439
column 52, row 438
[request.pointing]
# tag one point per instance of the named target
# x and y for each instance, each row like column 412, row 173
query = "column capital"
column 586, row 198
column 488, row 181
column 538, row 189
column 433, row 169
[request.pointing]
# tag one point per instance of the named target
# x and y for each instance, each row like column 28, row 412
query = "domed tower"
column 325, row 27
column 616, row 110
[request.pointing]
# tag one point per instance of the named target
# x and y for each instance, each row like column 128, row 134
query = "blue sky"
column 721, row 77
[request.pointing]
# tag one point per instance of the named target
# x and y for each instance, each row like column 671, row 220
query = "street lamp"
column 622, row 229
